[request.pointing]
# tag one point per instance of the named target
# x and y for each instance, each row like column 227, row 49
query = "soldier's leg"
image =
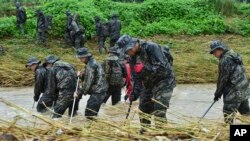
column 93, row 105
column 100, row 44
column 244, row 108
column 21, row 28
column 146, row 105
column 108, row 94
column 116, row 95
column 38, row 37
column 78, row 42
column 75, row 108
column 61, row 105
column 229, row 110
column 105, row 48
column 44, row 39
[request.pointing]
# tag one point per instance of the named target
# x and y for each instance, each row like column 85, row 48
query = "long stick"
column 206, row 111
column 37, row 101
column 130, row 105
column 73, row 107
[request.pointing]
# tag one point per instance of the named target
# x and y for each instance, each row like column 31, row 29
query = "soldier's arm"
column 39, row 84
column 224, row 75
column 52, row 83
column 88, row 81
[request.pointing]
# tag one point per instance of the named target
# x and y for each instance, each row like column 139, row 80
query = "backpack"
column 48, row 22
column 114, row 73
column 105, row 29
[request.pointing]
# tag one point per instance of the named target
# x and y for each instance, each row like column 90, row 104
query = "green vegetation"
column 152, row 17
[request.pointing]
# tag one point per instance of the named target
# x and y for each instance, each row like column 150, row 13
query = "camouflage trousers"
column 94, row 104
column 79, row 41
column 115, row 93
column 62, row 104
column 229, row 110
column 41, row 36
column 155, row 104
column 43, row 103
column 21, row 28
column 101, row 44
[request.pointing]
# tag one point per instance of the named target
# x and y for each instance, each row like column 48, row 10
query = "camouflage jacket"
column 41, row 23
column 157, row 72
column 94, row 78
column 68, row 23
column 232, row 80
column 62, row 79
column 21, row 15
column 114, row 29
column 41, row 82
column 98, row 28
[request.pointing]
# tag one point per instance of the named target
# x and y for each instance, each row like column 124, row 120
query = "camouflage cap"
column 31, row 61
column 217, row 45
column 51, row 59
column 165, row 48
column 82, row 52
column 67, row 12
column 123, row 40
column 131, row 44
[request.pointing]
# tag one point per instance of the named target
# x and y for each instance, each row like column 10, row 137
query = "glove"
column 36, row 98
column 132, row 97
column 217, row 96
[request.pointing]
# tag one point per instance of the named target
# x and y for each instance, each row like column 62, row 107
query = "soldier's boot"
column 145, row 123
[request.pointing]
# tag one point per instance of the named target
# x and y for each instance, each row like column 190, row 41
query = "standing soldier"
column 68, row 28
column 114, row 76
column 114, row 29
column 62, row 84
column 101, row 33
column 94, row 83
column 42, row 95
column 77, row 32
column 232, row 82
column 158, row 79
column 40, row 28
column 21, row 17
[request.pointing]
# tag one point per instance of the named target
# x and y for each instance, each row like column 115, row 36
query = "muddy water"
column 187, row 101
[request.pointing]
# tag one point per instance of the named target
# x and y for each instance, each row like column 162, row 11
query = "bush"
column 149, row 18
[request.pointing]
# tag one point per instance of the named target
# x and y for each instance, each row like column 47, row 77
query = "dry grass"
column 108, row 129
column 192, row 62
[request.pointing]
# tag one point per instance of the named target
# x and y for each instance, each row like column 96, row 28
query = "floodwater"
column 187, row 101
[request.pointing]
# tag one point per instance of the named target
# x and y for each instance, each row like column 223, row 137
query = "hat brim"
column 82, row 56
column 214, row 49
column 29, row 64
column 130, row 45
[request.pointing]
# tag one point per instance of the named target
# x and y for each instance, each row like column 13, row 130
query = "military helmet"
column 51, row 59
column 31, row 61
column 123, row 41
column 82, row 52
column 131, row 44
column 114, row 15
column 97, row 18
column 217, row 45
column 113, row 50
column 165, row 49
column 67, row 12
column 18, row 4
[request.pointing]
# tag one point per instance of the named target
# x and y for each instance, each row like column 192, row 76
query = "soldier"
column 158, row 79
column 68, row 28
column 77, row 32
column 114, row 76
column 101, row 33
column 94, row 83
column 114, row 29
column 62, row 84
column 41, row 28
column 21, row 17
column 232, row 82
column 42, row 95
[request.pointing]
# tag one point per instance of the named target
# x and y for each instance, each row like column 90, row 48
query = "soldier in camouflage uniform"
column 94, row 83
column 100, row 35
column 114, row 29
column 114, row 76
column 77, row 32
column 41, row 85
column 41, row 28
column 62, row 84
column 21, row 17
column 158, row 78
column 232, row 82
column 68, row 28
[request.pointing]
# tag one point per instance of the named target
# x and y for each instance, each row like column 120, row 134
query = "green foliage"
column 149, row 18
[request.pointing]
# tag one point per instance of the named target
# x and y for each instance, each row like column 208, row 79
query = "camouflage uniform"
column 62, row 84
column 101, row 38
column 77, row 32
column 94, row 84
column 41, row 28
column 233, row 85
column 68, row 28
column 115, row 28
column 158, row 78
column 114, row 90
column 21, row 17
column 167, row 54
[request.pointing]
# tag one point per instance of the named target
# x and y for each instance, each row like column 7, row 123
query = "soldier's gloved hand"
column 75, row 95
column 217, row 97
column 36, row 98
column 132, row 97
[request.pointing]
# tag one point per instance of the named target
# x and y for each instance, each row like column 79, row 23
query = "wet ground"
column 187, row 101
